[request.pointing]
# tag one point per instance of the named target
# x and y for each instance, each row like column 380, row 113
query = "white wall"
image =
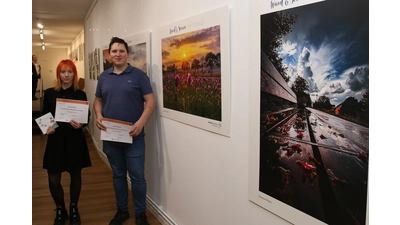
column 195, row 177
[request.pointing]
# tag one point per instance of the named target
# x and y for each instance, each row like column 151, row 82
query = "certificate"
column 117, row 131
column 46, row 121
column 70, row 109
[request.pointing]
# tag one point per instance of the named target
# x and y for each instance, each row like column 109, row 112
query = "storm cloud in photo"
column 329, row 48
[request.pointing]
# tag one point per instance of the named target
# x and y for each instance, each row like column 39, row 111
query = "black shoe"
column 141, row 219
column 61, row 216
column 119, row 217
column 74, row 217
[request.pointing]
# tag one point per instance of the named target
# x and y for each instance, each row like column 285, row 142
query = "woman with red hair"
column 66, row 148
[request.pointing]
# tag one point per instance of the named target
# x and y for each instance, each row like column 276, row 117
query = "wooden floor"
column 96, row 204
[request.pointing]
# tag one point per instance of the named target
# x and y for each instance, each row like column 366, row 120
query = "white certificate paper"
column 117, row 131
column 70, row 109
column 46, row 121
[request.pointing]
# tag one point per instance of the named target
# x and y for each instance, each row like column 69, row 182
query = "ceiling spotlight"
column 43, row 47
column 41, row 36
column 39, row 24
column 40, row 31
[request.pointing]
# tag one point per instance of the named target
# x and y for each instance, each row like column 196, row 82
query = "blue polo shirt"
column 123, row 94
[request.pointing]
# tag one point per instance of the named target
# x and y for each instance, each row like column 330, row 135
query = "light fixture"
column 39, row 24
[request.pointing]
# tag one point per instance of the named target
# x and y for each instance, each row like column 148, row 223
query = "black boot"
column 141, row 219
column 74, row 217
column 61, row 215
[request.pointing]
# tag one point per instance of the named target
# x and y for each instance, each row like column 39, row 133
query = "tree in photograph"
column 185, row 66
column 203, row 64
column 300, row 88
column 324, row 103
column 364, row 102
column 211, row 61
column 172, row 68
column 350, row 108
column 218, row 59
column 273, row 27
column 364, row 107
column 195, row 65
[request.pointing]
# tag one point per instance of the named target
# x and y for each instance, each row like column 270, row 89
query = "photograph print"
column 195, row 71
column 107, row 63
column 192, row 73
column 81, row 47
column 139, row 51
column 314, row 107
column 90, row 62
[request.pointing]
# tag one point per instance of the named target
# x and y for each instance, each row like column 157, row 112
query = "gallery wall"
column 194, row 176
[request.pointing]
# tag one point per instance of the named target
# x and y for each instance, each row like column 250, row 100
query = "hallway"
column 96, row 204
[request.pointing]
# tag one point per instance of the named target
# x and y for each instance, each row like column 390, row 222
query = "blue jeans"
column 123, row 158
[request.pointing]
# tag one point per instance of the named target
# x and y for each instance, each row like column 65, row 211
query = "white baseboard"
column 151, row 205
column 159, row 213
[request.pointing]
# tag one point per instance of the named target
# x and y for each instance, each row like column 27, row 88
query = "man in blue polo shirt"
column 124, row 93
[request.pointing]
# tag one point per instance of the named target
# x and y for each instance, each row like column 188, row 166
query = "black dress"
column 66, row 148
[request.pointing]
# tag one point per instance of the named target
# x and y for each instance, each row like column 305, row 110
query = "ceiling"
column 63, row 21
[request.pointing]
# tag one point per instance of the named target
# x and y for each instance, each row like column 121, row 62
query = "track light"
column 39, row 24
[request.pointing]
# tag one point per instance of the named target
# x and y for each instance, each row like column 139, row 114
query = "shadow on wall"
column 81, row 83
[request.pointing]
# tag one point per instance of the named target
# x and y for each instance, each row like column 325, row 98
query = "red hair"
column 66, row 63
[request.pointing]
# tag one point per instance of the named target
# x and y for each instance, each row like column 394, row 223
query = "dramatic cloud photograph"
column 314, row 110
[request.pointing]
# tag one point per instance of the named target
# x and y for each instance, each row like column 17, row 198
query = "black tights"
column 57, row 191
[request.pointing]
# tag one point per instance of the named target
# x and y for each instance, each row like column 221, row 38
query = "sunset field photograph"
column 191, row 72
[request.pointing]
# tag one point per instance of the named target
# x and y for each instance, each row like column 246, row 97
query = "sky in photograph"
column 137, row 56
column 106, row 54
column 329, row 47
column 191, row 45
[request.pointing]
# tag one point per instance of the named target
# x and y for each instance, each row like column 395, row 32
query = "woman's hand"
column 50, row 130
column 75, row 124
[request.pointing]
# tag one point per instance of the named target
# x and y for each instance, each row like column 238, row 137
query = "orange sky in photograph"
column 190, row 45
